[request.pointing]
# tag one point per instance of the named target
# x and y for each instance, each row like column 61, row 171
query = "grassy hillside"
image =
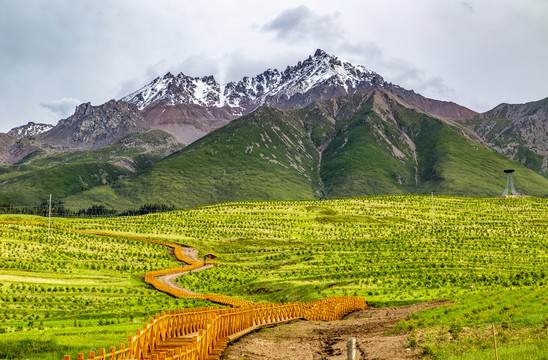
column 365, row 144
column 262, row 156
column 73, row 292
column 65, row 289
column 62, row 174
column 410, row 152
column 30, row 187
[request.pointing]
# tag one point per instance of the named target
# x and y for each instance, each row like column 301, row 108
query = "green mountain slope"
column 29, row 182
column 30, row 188
column 381, row 145
column 364, row 144
column 266, row 155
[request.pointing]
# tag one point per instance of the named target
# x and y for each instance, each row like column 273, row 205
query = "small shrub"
column 412, row 340
column 455, row 330
column 427, row 350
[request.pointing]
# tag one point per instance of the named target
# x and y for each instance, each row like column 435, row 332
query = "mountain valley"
column 324, row 128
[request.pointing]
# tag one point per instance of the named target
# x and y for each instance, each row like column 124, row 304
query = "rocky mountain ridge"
column 30, row 129
column 191, row 107
column 267, row 88
column 518, row 131
column 92, row 127
column 319, row 77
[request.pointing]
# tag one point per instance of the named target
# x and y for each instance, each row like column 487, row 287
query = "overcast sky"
column 56, row 54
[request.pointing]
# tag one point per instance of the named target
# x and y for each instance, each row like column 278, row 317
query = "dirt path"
column 315, row 340
column 190, row 252
column 169, row 279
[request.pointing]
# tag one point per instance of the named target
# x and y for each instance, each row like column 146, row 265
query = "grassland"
column 383, row 248
column 73, row 292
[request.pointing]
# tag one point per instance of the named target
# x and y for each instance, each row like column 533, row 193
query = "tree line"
column 58, row 209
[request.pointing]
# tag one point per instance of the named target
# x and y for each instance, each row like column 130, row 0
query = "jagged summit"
column 283, row 89
column 31, row 129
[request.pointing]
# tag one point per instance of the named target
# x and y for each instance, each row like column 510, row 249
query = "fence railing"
column 203, row 333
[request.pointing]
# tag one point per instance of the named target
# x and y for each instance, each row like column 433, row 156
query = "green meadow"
column 73, row 292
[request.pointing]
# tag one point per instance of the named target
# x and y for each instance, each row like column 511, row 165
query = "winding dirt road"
column 317, row 340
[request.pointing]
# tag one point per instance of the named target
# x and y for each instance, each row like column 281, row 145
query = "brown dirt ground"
column 316, row 340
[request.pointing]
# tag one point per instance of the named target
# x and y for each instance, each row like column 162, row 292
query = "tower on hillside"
column 509, row 183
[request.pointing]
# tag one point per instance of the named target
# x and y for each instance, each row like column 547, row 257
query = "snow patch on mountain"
column 31, row 129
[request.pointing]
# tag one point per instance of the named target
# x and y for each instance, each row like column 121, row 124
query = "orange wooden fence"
column 203, row 333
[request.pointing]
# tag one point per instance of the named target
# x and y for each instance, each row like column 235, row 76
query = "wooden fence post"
column 351, row 349
column 495, row 341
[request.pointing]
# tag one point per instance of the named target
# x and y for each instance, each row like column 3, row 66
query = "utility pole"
column 49, row 216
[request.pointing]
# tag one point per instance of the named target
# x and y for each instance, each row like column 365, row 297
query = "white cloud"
column 63, row 107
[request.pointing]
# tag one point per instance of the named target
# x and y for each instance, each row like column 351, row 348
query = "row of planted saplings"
column 204, row 333
column 146, row 341
column 204, row 330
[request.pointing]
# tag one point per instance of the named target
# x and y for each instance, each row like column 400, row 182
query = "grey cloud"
column 289, row 21
column 411, row 77
column 301, row 23
column 367, row 51
column 62, row 107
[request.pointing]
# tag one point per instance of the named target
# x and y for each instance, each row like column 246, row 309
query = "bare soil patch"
column 317, row 340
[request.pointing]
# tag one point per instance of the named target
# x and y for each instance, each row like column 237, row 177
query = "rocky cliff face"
column 6, row 142
column 91, row 127
column 286, row 89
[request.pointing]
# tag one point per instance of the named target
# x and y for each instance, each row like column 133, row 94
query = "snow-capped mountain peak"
column 271, row 87
column 31, row 129
column 173, row 90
